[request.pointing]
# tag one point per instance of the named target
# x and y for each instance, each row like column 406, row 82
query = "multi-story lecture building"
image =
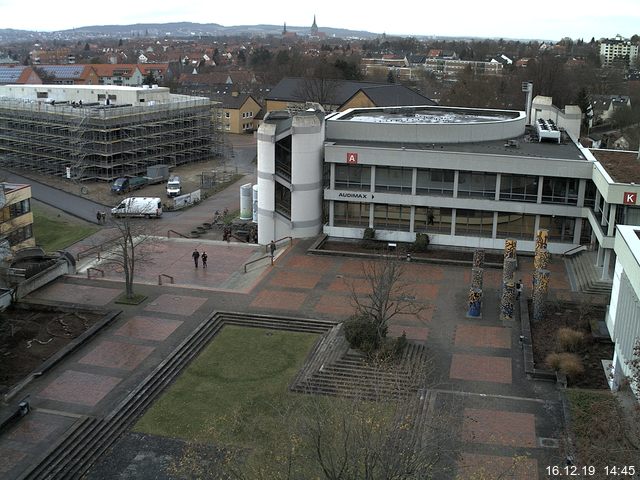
column 467, row 177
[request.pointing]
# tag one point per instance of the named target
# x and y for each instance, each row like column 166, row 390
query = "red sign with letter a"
column 352, row 158
column 630, row 198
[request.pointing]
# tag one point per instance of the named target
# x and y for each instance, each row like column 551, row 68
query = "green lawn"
column 53, row 234
column 230, row 394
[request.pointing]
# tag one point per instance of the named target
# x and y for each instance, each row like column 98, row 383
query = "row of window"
column 521, row 188
column 476, row 223
column 15, row 210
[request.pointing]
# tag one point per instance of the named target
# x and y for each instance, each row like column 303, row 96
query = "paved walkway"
column 504, row 420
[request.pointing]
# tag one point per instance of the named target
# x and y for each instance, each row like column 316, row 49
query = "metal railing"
column 90, row 269
column 573, row 250
column 257, row 260
column 177, row 233
column 266, row 247
column 164, row 275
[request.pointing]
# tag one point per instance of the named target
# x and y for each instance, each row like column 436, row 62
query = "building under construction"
column 88, row 132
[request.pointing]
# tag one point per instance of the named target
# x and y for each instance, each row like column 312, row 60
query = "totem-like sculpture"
column 478, row 258
column 507, row 301
column 475, row 302
column 541, row 282
column 476, row 277
column 542, row 236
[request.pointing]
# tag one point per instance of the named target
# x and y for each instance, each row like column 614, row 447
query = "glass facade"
column 520, row 226
column 477, row 185
column 476, row 223
column 347, row 214
column 519, row 188
column 353, row 177
column 435, row 182
column 560, row 228
column 560, row 190
column 433, row 220
column 391, row 217
column 394, row 179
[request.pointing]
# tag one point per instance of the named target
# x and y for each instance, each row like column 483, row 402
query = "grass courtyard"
column 232, row 394
column 54, row 233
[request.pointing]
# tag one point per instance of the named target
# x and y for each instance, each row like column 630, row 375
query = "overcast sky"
column 549, row 19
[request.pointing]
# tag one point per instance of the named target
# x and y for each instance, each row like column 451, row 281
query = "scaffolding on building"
column 103, row 142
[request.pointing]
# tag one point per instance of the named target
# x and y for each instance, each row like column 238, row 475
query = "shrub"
column 421, row 244
column 361, row 333
column 567, row 363
column 553, row 361
column 369, row 234
column 569, row 340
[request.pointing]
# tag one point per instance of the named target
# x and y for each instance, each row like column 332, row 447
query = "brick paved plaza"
column 500, row 414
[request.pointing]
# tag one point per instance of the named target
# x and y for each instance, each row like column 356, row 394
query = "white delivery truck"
column 173, row 187
column 147, row 207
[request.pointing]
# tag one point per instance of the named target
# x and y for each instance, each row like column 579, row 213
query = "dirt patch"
column 578, row 317
column 29, row 337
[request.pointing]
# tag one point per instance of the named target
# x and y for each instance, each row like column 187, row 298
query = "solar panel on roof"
column 10, row 75
column 63, row 71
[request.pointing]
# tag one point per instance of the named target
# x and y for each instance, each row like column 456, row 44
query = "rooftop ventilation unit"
column 547, row 129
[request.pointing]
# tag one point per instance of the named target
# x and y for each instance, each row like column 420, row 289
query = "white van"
column 138, row 207
column 173, row 187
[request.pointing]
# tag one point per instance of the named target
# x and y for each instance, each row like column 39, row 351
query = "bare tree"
column 132, row 247
column 389, row 293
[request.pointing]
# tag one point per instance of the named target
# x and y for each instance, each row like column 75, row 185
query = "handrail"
column 571, row 250
column 177, row 233
column 256, row 260
column 164, row 275
column 266, row 247
column 96, row 269
column 99, row 248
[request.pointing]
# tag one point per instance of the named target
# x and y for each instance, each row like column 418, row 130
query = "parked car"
column 174, row 188
column 138, row 207
column 125, row 184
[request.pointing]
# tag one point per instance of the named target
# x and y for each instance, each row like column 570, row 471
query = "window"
column 477, row 185
column 15, row 210
column 519, row 188
column 560, row 228
column 391, row 217
column 435, row 182
column 347, row 214
column 519, row 226
column 560, row 190
column 42, row 95
column 20, row 235
column 432, row 220
column 394, row 179
column 475, row 223
column 227, row 115
column 352, row 177
column 283, row 200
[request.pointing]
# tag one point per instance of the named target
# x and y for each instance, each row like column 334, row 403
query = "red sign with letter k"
column 630, row 198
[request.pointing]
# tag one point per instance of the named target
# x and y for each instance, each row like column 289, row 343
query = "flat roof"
column 432, row 115
column 115, row 88
column 622, row 166
column 518, row 147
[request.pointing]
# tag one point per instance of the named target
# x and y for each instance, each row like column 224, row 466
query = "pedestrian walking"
column 99, row 216
column 272, row 247
column 104, row 217
column 195, row 255
column 204, row 257
column 519, row 288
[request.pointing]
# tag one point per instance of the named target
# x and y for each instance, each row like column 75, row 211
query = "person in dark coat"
column 272, row 248
column 204, row 257
column 195, row 255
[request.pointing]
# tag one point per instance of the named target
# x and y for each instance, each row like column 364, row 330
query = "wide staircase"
column 332, row 368
column 586, row 276
column 73, row 455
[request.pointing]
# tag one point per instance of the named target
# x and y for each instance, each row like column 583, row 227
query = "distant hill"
column 177, row 29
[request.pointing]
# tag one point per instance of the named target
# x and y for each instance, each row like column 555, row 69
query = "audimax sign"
column 361, row 196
